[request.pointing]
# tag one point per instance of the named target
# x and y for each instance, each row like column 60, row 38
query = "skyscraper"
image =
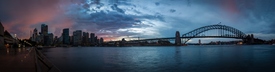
column 34, row 35
column 44, row 29
column 85, row 38
column 96, row 40
column 66, row 37
column 50, row 39
column 92, row 38
column 44, row 33
column 177, row 40
column 77, row 37
column 101, row 40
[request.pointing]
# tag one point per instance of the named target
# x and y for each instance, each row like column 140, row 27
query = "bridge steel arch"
column 223, row 28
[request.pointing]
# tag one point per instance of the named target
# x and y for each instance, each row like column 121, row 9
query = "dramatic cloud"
column 115, row 19
column 19, row 17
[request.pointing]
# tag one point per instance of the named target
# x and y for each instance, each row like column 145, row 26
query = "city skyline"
column 117, row 19
column 78, row 38
column 36, row 35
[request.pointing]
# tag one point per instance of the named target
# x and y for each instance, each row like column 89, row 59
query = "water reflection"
column 178, row 56
column 169, row 59
column 15, row 51
column 8, row 50
column 119, row 59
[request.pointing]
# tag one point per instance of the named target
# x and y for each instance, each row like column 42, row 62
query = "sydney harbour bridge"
column 220, row 31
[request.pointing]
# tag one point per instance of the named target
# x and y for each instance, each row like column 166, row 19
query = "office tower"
column 34, row 35
column 44, row 33
column 66, row 37
column 77, row 37
column 101, row 40
column 44, row 29
column 85, row 39
column 92, row 38
column 50, row 39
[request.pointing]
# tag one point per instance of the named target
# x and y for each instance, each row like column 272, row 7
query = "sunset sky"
column 116, row 19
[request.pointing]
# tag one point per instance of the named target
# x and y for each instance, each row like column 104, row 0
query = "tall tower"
column 44, row 29
column 66, row 37
column 44, row 33
column 77, row 36
column 177, row 40
column 101, row 40
column 85, row 38
column 92, row 37
column 34, row 35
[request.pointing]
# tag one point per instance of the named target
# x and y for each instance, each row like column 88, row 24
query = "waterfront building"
column 66, row 37
column 60, row 40
column 1, row 35
column 34, row 35
column 92, row 38
column 71, row 40
column 44, row 33
column 46, row 40
column 50, row 39
column 77, row 37
column 44, row 29
column 249, row 39
column 40, row 39
column 85, row 39
column 101, row 40
column 96, row 40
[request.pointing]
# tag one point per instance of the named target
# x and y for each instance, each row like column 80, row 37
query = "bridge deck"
column 188, row 37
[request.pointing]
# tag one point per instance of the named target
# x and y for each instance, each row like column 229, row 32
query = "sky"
column 117, row 19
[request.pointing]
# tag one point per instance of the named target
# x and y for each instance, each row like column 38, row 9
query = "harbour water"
column 218, row 58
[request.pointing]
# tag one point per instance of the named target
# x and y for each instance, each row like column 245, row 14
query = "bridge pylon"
column 178, row 39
